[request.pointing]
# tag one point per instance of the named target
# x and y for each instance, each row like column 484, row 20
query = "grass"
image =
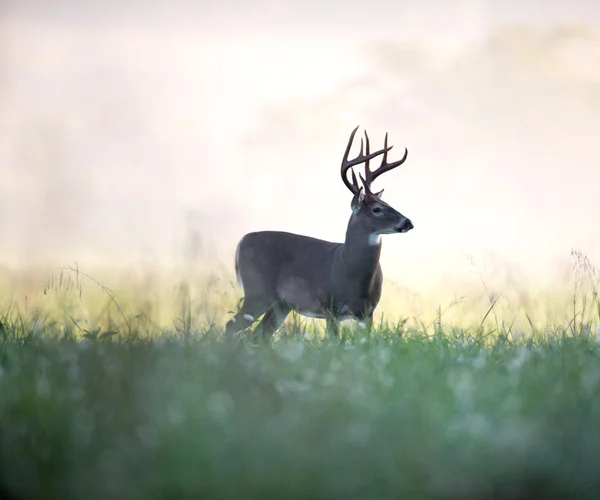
column 370, row 416
column 133, row 410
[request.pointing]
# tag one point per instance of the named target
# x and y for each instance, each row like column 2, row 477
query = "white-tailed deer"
column 282, row 272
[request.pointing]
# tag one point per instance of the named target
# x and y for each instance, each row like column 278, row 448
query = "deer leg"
column 272, row 320
column 365, row 321
column 246, row 316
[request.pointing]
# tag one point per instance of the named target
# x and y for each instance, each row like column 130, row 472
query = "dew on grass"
column 335, row 365
column 291, row 351
column 479, row 361
column 463, row 386
column 590, row 380
column 85, row 344
column 219, row 406
column 471, row 424
column 383, row 356
column 292, row 386
column 519, row 359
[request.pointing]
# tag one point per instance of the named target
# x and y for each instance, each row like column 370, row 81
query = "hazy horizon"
column 124, row 130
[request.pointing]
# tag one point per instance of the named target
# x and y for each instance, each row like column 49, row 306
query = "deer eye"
column 377, row 210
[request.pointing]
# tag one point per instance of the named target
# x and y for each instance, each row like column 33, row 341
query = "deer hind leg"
column 251, row 309
column 364, row 321
column 272, row 320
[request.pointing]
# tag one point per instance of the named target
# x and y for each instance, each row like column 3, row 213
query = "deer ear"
column 357, row 201
column 379, row 194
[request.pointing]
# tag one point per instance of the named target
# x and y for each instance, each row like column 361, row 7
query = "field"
column 139, row 142
column 102, row 397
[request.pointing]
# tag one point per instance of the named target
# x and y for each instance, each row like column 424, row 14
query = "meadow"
column 131, row 391
column 144, row 133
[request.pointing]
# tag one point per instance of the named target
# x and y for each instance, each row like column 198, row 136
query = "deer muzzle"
column 404, row 225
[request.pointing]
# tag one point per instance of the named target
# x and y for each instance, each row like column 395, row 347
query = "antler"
column 370, row 176
column 361, row 158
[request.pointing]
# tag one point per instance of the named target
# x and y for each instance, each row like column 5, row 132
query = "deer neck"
column 361, row 251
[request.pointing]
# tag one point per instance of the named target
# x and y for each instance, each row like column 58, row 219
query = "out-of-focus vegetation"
column 382, row 415
column 110, row 402
column 147, row 301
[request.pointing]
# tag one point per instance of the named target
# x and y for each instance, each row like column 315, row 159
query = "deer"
column 280, row 272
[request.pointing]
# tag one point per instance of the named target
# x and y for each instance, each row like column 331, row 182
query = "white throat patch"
column 374, row 239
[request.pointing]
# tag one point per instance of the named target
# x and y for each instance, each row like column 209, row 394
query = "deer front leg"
column 365, row 320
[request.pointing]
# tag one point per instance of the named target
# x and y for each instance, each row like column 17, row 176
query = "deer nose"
column 404, row 225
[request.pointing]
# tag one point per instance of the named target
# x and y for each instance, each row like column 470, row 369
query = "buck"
column 281, row 272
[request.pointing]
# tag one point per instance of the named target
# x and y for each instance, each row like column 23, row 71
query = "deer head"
column 374, row 214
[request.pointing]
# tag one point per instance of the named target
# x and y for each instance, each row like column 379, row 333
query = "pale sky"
column 116, row 120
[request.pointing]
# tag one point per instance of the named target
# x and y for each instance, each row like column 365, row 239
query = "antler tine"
column 354, row 180
column 385, row 166
column 367, row 169
column 361, row 158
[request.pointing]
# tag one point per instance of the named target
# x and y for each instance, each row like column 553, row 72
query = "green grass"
column 133, row 393
column 391, row 414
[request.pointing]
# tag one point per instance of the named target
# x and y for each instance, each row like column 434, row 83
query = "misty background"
column 134, row 131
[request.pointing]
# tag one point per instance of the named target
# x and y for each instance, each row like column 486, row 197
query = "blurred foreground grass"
column 375, row 415
column 100, row 397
